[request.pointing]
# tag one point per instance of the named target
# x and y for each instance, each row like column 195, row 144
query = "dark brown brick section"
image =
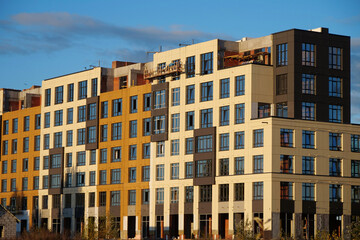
column 205, row 207
column 294, row 70
column 60, row 170
column 205, row 156
column 160, row 112
column 115, row 211
column 287, row 206
column 309, row 207
column 355, row 209
column 258, row 206
column 91, row 123
column 188, row 208
column 159, row 209
column 145, row 210
column 174, row 208
column 336, row 208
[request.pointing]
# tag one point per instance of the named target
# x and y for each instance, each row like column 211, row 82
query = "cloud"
column 32, row 32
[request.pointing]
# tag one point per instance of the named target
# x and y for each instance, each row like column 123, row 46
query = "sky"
column 41, row 39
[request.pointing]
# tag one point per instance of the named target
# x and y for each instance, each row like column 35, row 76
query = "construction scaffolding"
column 172, row 69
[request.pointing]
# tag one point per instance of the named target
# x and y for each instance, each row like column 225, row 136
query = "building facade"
column 194, row 142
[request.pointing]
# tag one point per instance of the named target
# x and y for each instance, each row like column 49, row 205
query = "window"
column 335, row 58
column 47, row 120
column 159, row 195
column 189, row 145
column 92, row 111
column 68, row 180
column 308, row 165
column 116, row 154
column 59, row 92
column 189, row 194
column 82, row 113
column 81, row 158
column 190, row 120
column 146, row 150
column 335, row 113
column 132, row 197
column 335, row 167
column 281, row 84
column 206, row 63
column 335, row 141
column 47, row 97
column 206, row 118
column 286, row 190
column 70, row 116
column 145, row 196
column 132, row 152
column 5, row 147
column 102, row 199
column 225, row 88
column 15, row 125
column 190, row 94
column 239, row 140
column 239, row 166
column 94, row 87
column 69, row 138
column 258, row 190
column 115, row 198
column 175, row 171
column 25, row 184
column 263, row 110
column 189, row 171
column 175, row 122
column 45, row 202
column 355, row 194
column 203, row 168
column 46, row 141
column 132, row 174
column 92, row 156
column 45, row 182
column 92, row 178
column 308, row 139
column 159, row 124
column 80, row 179
column 91, row 134
column 308, row 84
column 55, row 161
column 355, row 168
column 224, row 142
column 239, row 113
column 240, row 85
column 91, row 199
column 13, row 166
column 26, row 123
column 190, row 67
column 160, row 172
column 286, row 163
column 160, row 149
column 57, row 139
column 239, row 192
column 308, row 111
column 37, row 143
column 224, row 115
column 82, row 89
column 355, row 143
column 205, row 192
column 55, row 181
column 146, row 173
column 116, row 107
column 105, row 109
column 147, row 101
column 133, row 104
column 133, row 129
column 161, row 68
column 308, row 54
column 282, row 55
column 26, row 144
column 224, row 167
column 116, row 129
column 36, row 163
column 286, row 137
column 258, row 138
column 206, row 91
column 115, row 176
column 258, row 164
column 70, row 92
column 335, row 193
column 102, row 174
column 204, row 143
column 335, row 87
column 6, row 127
column 13, row 184
column 103, row 155
column 159, row 99
column 175, row 147
column 36, row 184
column 282, row 109
column 147, row 126
column 81, row 136
column 14, row 146
column 223, row 192
column 103, row 133
column 68, row 159
column 46, row 162
column 176, row 96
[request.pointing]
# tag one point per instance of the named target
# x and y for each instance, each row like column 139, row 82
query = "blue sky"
column 41, row 39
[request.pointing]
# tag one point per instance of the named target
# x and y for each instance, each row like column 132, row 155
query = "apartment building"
column 195, row 141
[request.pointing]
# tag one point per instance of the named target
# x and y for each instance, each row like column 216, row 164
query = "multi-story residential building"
column 197, row 140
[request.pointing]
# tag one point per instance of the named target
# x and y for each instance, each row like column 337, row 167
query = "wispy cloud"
column 32, row 32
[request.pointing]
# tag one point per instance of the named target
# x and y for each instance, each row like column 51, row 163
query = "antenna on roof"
column 160, row 50
column 186, row 44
